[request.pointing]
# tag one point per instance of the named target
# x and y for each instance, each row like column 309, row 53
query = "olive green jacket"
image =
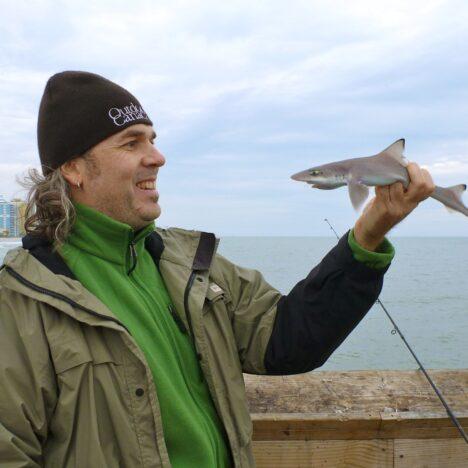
column 75, row 388
column 76, row 391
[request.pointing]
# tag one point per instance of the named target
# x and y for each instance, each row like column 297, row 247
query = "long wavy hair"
column 49, row 211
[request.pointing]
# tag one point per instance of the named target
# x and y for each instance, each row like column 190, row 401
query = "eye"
column 131, row 144
column 314, row 172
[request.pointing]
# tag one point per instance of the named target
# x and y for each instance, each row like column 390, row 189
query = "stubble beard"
column 121, row 208
column 129, row 213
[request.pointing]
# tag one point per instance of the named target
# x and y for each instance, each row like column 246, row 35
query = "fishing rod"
column 396, row 329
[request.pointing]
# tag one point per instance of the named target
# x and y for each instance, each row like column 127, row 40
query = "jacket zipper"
column 187, row 311
column 133, row 257
column 55, row 295
column 199, row 356
column 177, row 319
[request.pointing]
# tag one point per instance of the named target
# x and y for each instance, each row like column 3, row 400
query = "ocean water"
column 425, row 290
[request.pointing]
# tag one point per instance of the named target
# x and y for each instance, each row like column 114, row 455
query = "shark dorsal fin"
column 395, row 150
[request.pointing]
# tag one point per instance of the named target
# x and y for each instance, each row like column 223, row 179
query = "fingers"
column 415, row 186
column 397, row 193
column 393, row 202
column 421, row 184
column 429, row 182
column 382, row 192
column 393, row 198
column 383, row 198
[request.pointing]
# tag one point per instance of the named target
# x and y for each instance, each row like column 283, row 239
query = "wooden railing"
column 379, row 418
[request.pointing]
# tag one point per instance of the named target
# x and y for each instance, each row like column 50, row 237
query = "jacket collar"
column 104, row 237
column 37, row 271
column 192, row 249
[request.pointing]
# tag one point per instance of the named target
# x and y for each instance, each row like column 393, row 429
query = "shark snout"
column 302, row 176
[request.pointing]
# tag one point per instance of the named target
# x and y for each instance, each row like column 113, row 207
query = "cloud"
column 446, row 167
column 245, row 93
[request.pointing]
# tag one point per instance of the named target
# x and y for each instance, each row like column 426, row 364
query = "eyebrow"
column 136, row 133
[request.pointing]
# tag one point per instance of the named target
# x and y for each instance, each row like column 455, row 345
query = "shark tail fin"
column 454, row 193
column 395, row 151
column 457, row 191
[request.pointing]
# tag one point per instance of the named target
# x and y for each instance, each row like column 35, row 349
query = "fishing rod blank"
column 396, row 329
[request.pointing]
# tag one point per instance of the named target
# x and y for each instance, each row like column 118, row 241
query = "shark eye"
column 314, row 172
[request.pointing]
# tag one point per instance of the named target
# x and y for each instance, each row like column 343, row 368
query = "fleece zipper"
column 133, row 257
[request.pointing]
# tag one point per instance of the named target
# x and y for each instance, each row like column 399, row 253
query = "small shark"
column 384, row 168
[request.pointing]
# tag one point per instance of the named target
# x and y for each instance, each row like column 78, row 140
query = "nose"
column 154, row 157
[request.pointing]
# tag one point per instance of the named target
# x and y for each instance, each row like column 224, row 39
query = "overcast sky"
column 243, row 94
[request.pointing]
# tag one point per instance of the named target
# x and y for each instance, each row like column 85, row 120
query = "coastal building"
column 20, row 216
column 12, row 217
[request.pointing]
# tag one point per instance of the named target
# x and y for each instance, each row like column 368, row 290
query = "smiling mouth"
column 146, row 185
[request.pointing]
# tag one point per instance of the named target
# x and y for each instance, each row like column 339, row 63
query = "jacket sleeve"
column 321, row 311
column 27, row 382
column 296, row 333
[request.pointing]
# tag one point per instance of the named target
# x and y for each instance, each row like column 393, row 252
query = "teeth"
column 146, row 185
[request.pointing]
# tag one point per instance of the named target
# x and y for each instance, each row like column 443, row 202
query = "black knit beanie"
column 77, row 111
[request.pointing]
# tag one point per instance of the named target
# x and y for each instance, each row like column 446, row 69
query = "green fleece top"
column 98, row 253
column 378, row 259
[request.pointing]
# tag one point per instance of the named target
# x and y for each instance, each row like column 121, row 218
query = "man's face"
column 119, row 177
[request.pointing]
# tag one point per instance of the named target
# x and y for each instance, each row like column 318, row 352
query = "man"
column 122, row 344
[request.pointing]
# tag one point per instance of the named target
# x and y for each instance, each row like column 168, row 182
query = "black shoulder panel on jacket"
column 155, row 246
column 205, row 250
column 41, row 249
column 321, row 311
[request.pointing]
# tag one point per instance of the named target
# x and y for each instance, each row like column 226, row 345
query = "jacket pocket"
column 214, row 294
column 72, row 343
column 85, row 347
column 69, row 355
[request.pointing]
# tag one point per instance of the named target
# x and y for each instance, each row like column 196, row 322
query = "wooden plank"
column 356, row 391
column 356, row 405
column 448, row 453
column 357, row 426
column 312, row 426
column 329, row 453
column 414, row 425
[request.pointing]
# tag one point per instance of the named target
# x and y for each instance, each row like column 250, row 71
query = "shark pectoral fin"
column 358, row 193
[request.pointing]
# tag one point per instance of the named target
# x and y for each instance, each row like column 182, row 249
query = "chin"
column 150, row 214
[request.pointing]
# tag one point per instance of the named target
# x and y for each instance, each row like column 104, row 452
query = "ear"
column 72, row 172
